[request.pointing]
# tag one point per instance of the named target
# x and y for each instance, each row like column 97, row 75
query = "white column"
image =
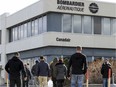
column 4, row 40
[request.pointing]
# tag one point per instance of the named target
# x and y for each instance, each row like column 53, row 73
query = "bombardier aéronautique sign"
column 70, row 5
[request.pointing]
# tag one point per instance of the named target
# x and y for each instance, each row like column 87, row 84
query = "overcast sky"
column 11, row 6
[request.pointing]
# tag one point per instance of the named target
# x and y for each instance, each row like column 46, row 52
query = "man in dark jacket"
column 79, row 68
column 61, row 71
column 53, row 71
column 14, row 66
column 105, row 72
column 34, row 72
column 43, row 72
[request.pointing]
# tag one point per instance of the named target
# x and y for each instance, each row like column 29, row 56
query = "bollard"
column 87, row 78
column 113, row 78
column 109, row 76
column 7, row 83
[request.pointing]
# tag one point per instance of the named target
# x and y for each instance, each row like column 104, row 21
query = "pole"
column 87, row 81
column 7, row 80
column 109, row 76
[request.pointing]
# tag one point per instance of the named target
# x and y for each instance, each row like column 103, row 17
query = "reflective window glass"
column 114, row 27
column 29, row 29
column 25, row 30
column 44, row 24
column 40, row 26
column 87, row 25
column 97, row 25
column 106, row 26
column 36, row 26
column 67, row 23
column 77, row 24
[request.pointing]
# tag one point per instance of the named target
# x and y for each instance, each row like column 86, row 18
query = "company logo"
column 93, row 8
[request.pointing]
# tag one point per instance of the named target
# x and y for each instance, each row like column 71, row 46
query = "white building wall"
column 105, row 9
column 3, row 41
column 49, row 39
column 43, row 6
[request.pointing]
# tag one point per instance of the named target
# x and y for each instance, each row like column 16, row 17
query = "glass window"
column 40, row 26
column 29, row 29
column 11, row 35
column 77, row 24
column 44, row 24
column 36, row 26
column 15, row 33
column 106, row 26
column 87, row 25
column 114, row 27
column 22, row 31
column 33, row 27
column 19, row 32
column 97, row 25
column 67, row 23
column 25, row 30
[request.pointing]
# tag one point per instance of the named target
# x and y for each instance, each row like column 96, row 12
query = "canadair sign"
column 75, row 6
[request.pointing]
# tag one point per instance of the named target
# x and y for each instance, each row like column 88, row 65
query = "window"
column 77, row 22
column 22, row 31
column 44, row 24
column 0, row 57
column 97, row 25
column 106, row 26
column 0, row 36
column 36, row 26
column 25, row 30
column 67, row 23
column 29, row 29
column 19, row 32
column 33, row 27
column 114, row 27
column 13, row 32
column 87, row 25
column 40, row 26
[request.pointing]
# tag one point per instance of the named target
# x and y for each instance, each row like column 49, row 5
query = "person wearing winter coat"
column 28, row 75
column 61, row 71
column 43, row 72
column 14, row 66
column 53, row 71
column 105, row 72
column 34, row 73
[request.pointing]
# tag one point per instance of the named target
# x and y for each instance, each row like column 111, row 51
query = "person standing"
column 61, row 71
column 43, row 72
column 104, row 71
column 28, row 75
column 14, row 66
column 34, row 73
column 78, row 66
column 53, row 71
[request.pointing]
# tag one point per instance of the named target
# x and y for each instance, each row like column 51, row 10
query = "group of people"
column 57, row 71
column 14, row 68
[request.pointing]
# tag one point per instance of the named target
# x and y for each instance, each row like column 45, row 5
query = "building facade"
column 54, row 28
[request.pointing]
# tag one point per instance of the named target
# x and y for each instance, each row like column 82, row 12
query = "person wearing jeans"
column 104, row 71
column 78, row 78
column 78, row 66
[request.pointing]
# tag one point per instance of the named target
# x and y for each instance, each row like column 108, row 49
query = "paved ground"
column 6, row 86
